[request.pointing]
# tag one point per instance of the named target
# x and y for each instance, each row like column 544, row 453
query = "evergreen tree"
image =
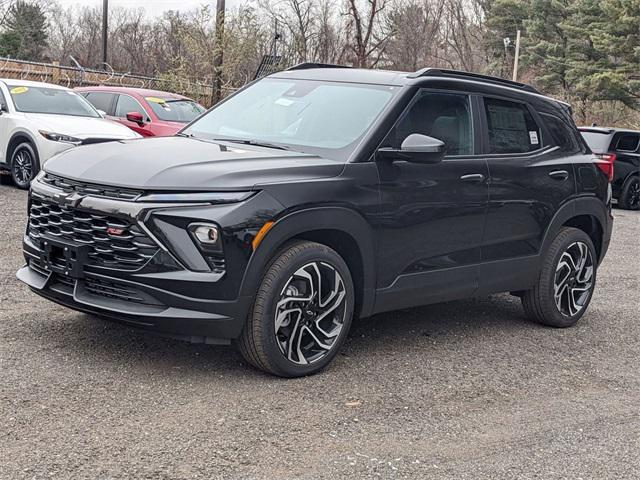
column 25, row 32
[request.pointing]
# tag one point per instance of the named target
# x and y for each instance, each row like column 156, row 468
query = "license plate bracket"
column 64, row 257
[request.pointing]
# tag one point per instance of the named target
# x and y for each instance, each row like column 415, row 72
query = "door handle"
column 472, row 178
column 559, row 174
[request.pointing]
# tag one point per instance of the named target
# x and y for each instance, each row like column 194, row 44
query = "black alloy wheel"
column 24, row 165
column 630, row 198
column 302, row 311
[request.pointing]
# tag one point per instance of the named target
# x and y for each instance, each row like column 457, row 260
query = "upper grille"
column 90, row 189
column 129, row 250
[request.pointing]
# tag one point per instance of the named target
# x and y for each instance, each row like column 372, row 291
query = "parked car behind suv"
column 621, row 148
column 317, row 195
column 38, row 120
column 151, row 113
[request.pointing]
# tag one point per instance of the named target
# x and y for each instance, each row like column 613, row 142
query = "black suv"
column 621, row 148
column 320, row 194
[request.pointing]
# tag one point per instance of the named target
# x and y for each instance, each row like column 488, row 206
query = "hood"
column 180, row 163
column 80, row 127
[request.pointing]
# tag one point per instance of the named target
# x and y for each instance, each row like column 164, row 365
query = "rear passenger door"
column 530, row 176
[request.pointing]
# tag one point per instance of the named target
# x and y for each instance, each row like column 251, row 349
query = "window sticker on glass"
column 533, row 135
column 284, row 102
column 156, row 100
column 19, row 90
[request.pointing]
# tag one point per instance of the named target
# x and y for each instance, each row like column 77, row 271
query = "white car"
column 39, row 120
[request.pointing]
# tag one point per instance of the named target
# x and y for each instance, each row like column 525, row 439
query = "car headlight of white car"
column 58, row 137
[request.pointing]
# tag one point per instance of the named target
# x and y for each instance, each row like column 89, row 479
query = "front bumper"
column 163, row 295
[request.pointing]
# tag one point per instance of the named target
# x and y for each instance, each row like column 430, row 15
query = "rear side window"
column 102, row 101
column 444, row 116
column 3, row 102
column 562, row 135
column 511, row 127
column 628, row 143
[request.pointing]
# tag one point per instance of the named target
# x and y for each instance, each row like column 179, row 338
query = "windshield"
column 598, row 141
column 51, row 100
column 171, row 110
column 324, row 118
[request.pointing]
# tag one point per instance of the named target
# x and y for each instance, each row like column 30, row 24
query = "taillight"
column 604, row 162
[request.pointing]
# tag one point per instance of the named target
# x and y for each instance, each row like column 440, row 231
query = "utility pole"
column 105, row 27
column 516, row 58
column 218, row 54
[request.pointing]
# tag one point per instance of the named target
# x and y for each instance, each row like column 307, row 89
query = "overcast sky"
column 153, row 7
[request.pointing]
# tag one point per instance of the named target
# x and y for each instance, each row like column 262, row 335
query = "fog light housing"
column 205, row 234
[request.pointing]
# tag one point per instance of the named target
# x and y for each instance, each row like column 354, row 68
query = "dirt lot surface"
column 463, row 390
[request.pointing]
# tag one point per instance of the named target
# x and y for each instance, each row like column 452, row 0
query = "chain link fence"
column 70, row 77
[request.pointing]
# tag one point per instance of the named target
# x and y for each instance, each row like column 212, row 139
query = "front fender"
column 308, row 220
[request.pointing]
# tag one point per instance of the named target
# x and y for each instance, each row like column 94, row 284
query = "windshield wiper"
column 256, row 143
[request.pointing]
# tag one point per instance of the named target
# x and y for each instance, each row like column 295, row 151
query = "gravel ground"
column 463, row 390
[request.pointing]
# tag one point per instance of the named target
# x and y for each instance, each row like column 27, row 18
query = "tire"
column 24, row 165
column 278, row 336
column 630, row 195
column 563, row 266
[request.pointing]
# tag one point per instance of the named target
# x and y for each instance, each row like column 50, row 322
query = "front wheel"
column 24, row 165
column 302, row 312
column 630, row 196
column 566, row 282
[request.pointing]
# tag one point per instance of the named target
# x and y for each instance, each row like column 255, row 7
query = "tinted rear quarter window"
column 627, row 143
column 511, row 127
column 562, row 135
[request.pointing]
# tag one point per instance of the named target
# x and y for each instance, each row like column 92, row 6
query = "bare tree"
column 368, row 33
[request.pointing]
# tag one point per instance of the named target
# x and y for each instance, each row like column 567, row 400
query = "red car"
column 151, row 113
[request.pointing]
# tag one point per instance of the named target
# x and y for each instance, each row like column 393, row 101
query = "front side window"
column 324, row 118
column 127, row 104
column 628, row 143
column 444, row 116
column 511, row 127
column 56, row 101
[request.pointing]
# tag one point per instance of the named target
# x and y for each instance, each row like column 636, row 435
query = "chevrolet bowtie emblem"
column 69, row 199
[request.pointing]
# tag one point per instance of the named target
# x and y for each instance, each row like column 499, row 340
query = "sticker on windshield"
column 18, row 90
column 284, row 102
column 533, row 136
column 156, row 100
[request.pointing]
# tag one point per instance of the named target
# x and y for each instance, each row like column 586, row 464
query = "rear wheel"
column 630, row 196
column 566, row 282
column 24, row 165
column 302, row 312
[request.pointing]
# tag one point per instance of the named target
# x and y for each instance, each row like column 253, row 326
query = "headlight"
column 58, row 137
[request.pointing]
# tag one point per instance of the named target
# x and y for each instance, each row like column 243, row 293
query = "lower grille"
column 94, row 286
column 113, row 242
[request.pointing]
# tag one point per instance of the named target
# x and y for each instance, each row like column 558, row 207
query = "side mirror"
column 135, row 117
column 416, row 148
column 102, row 113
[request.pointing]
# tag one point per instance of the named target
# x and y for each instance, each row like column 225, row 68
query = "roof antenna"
column 594, row 124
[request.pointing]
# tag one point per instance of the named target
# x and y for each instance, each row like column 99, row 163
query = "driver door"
column 432, row 215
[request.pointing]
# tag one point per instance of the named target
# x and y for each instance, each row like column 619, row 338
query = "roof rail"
column 437, row 72
column 308, row 65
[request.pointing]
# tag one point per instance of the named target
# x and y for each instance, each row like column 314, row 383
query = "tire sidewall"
column 558, row 317
column 276, row 359
column 34, row 159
